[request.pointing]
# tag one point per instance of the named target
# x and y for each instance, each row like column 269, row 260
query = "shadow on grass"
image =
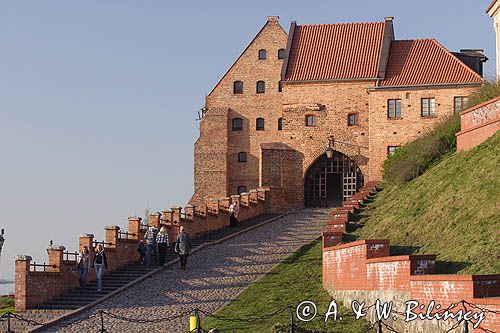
column 398, row 250
column 451, row 267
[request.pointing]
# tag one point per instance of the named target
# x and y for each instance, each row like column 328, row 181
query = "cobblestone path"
column 215, row 276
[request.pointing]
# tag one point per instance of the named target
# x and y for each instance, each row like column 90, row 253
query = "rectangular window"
column 391, row 150
column 459, row 103
column 310, row 120
column 428, row 107
column 352, row 119
column 394, row 108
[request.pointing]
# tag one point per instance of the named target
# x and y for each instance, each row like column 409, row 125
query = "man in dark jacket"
column 183, row 247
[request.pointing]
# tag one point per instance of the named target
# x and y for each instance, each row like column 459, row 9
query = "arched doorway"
column 329, row 181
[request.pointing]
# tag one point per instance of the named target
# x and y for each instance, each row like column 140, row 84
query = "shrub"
column 414, row 158
column 488, row 91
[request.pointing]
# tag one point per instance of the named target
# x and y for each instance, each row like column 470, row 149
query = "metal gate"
column 315, row 188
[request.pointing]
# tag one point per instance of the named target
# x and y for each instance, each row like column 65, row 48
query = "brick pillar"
column 236, row 198
column 213, row 206
column 55, row 253
column 253, row 196
column 176, row 214
column 134, row 227
column 245, row 199
column 21, row 296
column 112, row 235
column 154, row 220
column 167, row 216
column 88, row 241
column 189, row 211
column 224, row 203
column 261, row 194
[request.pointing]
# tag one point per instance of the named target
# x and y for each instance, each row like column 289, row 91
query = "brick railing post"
column 154, row 220
column 88, row 241
column 236, row 198
column 224, row 203
column 176, row 215
column 55, row 253
column 261, row 194
column 167, row 216
column 112, row 235
column 189, row 211
column 134, row 227
column 21, row 297
column 213, row 206
column 245, row 199
column 253, row 196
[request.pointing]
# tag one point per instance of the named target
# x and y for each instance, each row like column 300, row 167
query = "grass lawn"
column 297, row 279
column 6, row 305
column 452, row 210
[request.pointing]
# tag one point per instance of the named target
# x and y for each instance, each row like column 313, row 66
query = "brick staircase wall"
column 365, row 271
column 478, row 124
column 36, row 287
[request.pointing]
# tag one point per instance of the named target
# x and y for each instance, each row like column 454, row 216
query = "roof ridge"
column 455, row 58
column 340, row 23
column 411, row 40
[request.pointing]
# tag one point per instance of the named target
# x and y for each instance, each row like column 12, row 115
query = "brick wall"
column 386, row 131
column 478, row 124
column 364, row 271
column 33, row 288
column 248, row 106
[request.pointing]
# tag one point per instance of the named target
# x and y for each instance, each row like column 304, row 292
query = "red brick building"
column 350, row 86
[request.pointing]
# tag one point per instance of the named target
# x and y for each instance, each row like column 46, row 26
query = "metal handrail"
column 125, row 234
column 68, row 254
column 95, row 243
column 34, row 265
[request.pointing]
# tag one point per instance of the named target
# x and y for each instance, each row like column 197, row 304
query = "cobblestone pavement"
column 215, row 276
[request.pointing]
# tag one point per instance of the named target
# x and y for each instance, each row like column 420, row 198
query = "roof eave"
column 434, row 85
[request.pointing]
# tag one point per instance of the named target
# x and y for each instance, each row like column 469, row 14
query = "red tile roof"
column 335, row 51
column 425, row 62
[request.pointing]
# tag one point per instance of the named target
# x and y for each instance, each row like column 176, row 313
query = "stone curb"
column 153, row 272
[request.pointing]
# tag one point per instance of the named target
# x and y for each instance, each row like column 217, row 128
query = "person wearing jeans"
column 100, row 262
column 83, row 266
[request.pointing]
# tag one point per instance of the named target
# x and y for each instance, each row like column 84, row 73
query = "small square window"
column 281, row 54
column 352, row 119
column 310, row 120
column 262, row 54
column 237, row 124
column 391, row 150
column 261, row 87
column 242, row 157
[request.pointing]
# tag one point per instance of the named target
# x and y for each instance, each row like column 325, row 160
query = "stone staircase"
column 77, row 298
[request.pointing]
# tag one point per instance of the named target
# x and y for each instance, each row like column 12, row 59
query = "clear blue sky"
column 98, row 99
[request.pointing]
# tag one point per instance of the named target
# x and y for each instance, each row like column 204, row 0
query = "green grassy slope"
column 6, row 305
column 297, row 279
column 452, row 210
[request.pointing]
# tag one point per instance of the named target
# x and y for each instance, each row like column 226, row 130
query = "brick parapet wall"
column 33, row 288
column 351, row 272
column 478, row 124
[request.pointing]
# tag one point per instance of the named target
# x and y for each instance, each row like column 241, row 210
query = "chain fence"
column 99, row 320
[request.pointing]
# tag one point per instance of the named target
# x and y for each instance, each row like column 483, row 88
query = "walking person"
column 183, row 247
column 100, row 262
column 141, row 248
column 150, row 238
column 234, row 210
column 162, row 241
column 83, row 266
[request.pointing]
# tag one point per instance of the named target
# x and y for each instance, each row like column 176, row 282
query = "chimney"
column 273, row 19
column 389, row 18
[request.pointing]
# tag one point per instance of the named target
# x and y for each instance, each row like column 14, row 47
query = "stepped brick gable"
column 350, row 85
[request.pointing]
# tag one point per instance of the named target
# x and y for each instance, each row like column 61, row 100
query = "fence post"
column 466, row 327
column 379, row 327
column 102, row 321
column 292, row 324
column 198, row 328
column 8, row 323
